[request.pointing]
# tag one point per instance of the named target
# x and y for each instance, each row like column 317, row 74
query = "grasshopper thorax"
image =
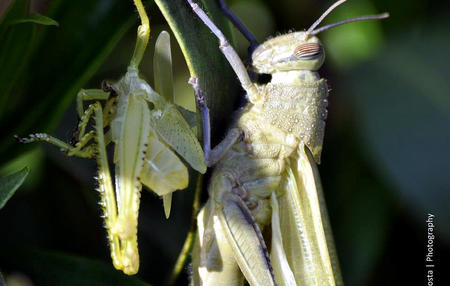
column 294, row 51
column 132, row 84
column 131, row 81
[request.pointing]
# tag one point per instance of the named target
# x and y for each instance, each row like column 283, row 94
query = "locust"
column 147, row 130
column 265, row 220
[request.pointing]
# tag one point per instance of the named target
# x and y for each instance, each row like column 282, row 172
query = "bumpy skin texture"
column 285, row 119
column 297, row 109
column 272, row 129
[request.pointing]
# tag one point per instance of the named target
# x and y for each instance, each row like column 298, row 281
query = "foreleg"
column 240, row 26
column 212, row 156
column 230, row 54
column 105, row 187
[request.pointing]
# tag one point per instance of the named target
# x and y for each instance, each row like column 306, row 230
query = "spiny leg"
column 79, row 138
column 105, row 94
column 212, row 156
column 64, row 147
column 105, row 187
column 84, row 116
column 80, row 149
column 83, row 138
column 229, row 53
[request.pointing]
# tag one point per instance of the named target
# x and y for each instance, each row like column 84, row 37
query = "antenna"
column 240, row 26
column 328, row 11
column 313, row 31
column 356, row 19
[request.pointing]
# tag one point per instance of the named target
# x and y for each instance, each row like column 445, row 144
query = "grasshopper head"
column 294, row 51
column 299, row 50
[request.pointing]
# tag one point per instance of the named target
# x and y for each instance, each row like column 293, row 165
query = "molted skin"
column 130, row 132
column 147, row 131
column 143, row 138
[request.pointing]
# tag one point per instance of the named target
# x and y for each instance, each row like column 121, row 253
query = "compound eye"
column 308, row 51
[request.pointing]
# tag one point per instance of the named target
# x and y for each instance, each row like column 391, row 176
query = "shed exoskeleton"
column 265, row 186
column 147, row 130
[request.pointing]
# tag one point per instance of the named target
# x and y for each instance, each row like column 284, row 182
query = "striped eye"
column 308, row 51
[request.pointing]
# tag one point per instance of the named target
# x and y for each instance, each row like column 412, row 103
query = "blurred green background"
column 385, row 162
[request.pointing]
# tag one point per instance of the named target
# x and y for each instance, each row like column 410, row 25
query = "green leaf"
column 13, row 52
column 10, row 184
column 17, row 9
column 203, row 57
column 37, row 19
column 61, row 61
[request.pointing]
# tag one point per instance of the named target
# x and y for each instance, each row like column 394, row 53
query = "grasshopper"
column 265, row 186
column 145, row 129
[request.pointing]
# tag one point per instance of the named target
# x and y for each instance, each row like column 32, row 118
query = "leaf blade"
column 36, row 19
column 10, row 184
column 67, row 58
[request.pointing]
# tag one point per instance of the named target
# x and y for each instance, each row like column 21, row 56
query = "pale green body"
column 287, row 118
column 266, row 221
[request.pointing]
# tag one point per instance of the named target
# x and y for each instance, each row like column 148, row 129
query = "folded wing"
column 306, row 233
column 163, row 172
column 176, row 132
